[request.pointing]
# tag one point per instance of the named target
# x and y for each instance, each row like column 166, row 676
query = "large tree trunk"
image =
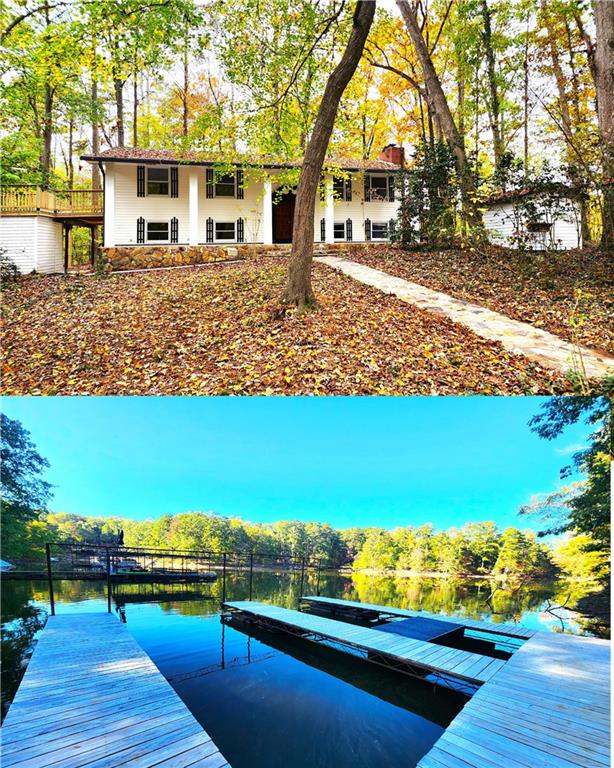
column 47, row 125
column 95, row 133
column 298, row 290
column 118, row 86
column 495, row 107
column 186, row 86
column 604, row 69
column 443, row 114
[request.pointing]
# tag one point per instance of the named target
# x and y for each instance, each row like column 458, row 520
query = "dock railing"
column 115, row 564
column 26, row 199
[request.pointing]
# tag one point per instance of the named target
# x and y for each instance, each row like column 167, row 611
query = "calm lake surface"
column 270, row 701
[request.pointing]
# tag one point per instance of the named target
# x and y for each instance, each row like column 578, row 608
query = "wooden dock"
column 438, row 663
column 505, row 629
column 548, row 706
column 92, row 697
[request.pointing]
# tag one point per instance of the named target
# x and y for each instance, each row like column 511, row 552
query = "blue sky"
column 348, row 461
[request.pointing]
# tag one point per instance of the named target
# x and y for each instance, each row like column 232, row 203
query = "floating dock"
column 92, row 697
column 437, row 663
column 548, row 706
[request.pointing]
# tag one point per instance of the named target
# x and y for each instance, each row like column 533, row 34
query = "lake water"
column 268, row 700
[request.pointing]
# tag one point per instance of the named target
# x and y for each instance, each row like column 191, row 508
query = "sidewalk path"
column 518, row 337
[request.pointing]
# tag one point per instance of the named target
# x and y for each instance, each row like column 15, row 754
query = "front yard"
column 537, row 288
column 213, row 330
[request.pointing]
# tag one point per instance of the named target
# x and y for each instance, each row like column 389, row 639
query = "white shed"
column 544, row 220
column 32, row 243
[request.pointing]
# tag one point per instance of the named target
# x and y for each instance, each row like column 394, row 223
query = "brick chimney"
column 393, row 154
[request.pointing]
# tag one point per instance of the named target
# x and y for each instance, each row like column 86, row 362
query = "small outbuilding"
column 544, row 219
column 32, row 243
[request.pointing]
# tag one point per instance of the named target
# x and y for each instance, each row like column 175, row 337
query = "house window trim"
column 343, row 237
column 385, row 199
column 233, row 239
column 147, row 241
column 380, row 224
column 168, row 181
column 234, row 185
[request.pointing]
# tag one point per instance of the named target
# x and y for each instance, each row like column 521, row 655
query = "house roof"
column 557, row 188
column 191, row 157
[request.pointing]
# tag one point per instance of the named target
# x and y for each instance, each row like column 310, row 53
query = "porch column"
column 329, row 212
column 193, row 208
column 109, row 207
column 267, row 213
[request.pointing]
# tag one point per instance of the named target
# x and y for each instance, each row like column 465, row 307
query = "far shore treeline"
column 576, row 519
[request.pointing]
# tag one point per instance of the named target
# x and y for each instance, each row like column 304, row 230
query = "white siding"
column 50, row 257
column 128, row 207
column 501, row 221
column 33, row 243
column 18, row 238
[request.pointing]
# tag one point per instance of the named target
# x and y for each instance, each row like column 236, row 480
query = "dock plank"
column 92, row 698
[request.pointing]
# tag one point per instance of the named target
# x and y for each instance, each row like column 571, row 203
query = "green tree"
column 24, row 493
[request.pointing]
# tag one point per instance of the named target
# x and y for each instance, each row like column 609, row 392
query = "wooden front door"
column 283, row 217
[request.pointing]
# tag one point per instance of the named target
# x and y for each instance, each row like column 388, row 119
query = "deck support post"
column 267, row 213
column 251, row 573
column 50, row 579
column 108, row 564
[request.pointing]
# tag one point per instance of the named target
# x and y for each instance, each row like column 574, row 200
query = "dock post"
column 302, row 578
column 318, row 579
column 108, row 558
column 50, row 579
column 251, row 573
column 224, row 578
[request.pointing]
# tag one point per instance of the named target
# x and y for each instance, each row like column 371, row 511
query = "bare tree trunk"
column 445, row 119
column 495, row 107
column 71, row 166
column 47, row 122
column 525, row 98
column 186, row 86
column 118, row 85
column 298, row 290
column 604, row 69
column 95, row 133
column 135, row 114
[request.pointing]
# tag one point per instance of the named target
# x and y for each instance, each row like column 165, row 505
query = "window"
column 157, row 181
column 379, row 230
column 157, row 231
column 225, row 185
column 339, row 188
column 224, row 230
column 378, row 188
column 340, row 230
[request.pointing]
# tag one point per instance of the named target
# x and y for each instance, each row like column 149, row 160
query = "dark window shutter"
column 391, row 189
column 140, row 230
column 240, row 231
column 392, row 227
column 367, row 186
column 348, row 230
column 140, row 181
column 367, row 229
column 209, row 178
column 348, row 190
column 174, row 230
column 322, row 230
column 239, row 183
column 209, row 230
column 174, row 181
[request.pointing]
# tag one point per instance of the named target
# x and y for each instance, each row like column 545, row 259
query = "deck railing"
column 29, row 199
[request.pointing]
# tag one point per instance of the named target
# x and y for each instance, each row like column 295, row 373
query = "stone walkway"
column 518, row 337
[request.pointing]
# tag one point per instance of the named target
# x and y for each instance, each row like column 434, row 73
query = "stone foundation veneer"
column 123, row 257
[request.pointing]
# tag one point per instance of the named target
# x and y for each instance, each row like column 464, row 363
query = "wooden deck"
column 437, row 661
column 506, row 629
column 549, row 707
column 92, row 697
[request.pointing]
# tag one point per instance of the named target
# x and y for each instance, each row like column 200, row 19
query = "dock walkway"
column 505, row 628
column 437, row 661
column 92, row 697
column 547, row 707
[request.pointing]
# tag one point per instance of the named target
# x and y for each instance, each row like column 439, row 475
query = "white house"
column 182, row 203
column 32, row 243
column 540, row 220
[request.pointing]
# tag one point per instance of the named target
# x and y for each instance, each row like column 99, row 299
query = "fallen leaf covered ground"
column 538, row 288
column 211, row 330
